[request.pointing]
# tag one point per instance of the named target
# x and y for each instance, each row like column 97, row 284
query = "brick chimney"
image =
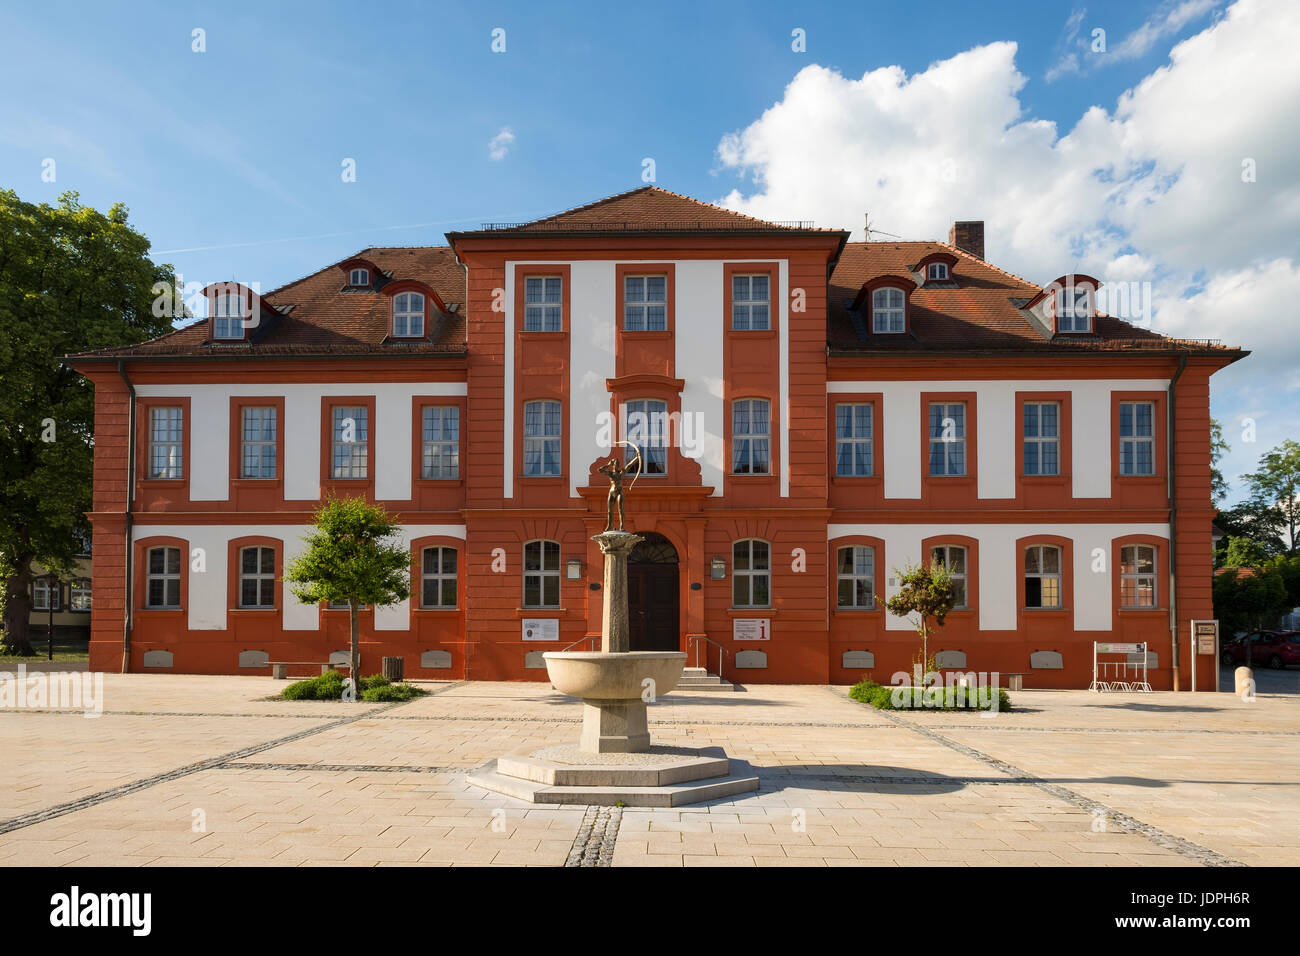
column 968, row 236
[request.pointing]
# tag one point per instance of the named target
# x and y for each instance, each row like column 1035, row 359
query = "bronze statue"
column 617, row 472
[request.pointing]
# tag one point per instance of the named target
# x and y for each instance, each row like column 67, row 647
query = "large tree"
column 1276, row 484
column 71, row 279
column 350, row 560
column 1218, row 448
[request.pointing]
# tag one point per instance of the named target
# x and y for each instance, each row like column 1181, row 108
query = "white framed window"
column 1074, row 309
column 542, row 574
column 544, row 304
column 1137, row 438
column 1042, row 576
column 408, row 315
column 438, row 577
column 166, row 441
column 937, row 272
column 1042, row 437
column 440, row 442
column 351, row 442
column 1137, row 576
column 947, row 439
column 79, row 595
column 45, row 592
column 645, row 303
column 888, row 310
column 647, row 428
column 751, row 422
column 228, row 317
column 359, row 277
column 257, row 576
column 257, row 441
column 751, row 573
column 163, row 578
column 543, row 422
column 853, row 449
column 751, row 302
column 856, row 576
column 952, row 557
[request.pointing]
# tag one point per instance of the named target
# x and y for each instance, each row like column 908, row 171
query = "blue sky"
column 230, row 159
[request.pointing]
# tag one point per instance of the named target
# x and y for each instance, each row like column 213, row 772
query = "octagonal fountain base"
column 657, row 777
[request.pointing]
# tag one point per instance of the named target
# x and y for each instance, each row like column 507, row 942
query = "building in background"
column 812, row 414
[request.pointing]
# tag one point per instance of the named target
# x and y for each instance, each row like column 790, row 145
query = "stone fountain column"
column 616, row 726
column 615, row 633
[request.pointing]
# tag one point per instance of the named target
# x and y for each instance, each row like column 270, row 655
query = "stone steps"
column 698, row 679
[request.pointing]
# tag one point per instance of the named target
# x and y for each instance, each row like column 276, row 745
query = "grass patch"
column 923, row 698
column 65, row 649
column 329, row 686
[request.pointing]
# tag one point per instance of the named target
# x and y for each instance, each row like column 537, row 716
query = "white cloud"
column 1076, row 53
column 1068, row 57
column 1165, row 22
column 501, row 143
column 1150, row 190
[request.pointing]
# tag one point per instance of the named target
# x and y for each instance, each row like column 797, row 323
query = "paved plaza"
column 205, row 771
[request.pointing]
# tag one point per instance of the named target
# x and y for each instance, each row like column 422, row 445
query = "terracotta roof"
column 979, row 308
column 646, row 209
column 326, row 318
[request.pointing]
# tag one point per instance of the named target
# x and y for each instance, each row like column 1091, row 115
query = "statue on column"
column 616, row 472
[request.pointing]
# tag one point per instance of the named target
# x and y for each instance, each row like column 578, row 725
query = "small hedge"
column 329, row 686
column 922, row 698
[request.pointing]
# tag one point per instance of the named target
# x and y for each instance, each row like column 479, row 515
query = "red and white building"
column 814, row 414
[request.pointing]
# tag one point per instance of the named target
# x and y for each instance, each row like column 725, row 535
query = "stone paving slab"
column 208, row 772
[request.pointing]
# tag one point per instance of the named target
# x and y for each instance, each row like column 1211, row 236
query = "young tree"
column 1277, row 484
column 1244, row 553
column 927, row 593
column 349, row 560
column 71, row 279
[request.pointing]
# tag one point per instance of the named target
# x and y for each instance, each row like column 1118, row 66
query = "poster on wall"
column 541, row 629
column 751, row 629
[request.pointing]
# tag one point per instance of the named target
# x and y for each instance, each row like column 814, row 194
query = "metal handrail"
column 721, row 652
column 590, row 637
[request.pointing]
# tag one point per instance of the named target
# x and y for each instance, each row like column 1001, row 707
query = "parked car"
column 1276, row 649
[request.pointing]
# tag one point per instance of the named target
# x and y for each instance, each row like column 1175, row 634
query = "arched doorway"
column 652, row 594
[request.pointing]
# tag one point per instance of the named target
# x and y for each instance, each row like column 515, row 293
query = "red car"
column 1277, row 649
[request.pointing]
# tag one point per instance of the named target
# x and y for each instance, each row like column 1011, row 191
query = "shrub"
column 329, row 686
column 392, row 692
column 921, row 698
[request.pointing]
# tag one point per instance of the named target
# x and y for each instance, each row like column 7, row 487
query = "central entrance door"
column 652, row 595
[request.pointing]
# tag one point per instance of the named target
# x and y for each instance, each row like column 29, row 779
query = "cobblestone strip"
column 1185, row 848
column 212, row 763
column 594, row 844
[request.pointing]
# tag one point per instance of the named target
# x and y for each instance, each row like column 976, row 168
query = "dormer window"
column 887, row 310
column 228, row 316
column 408, row 315
column 359, row 277
column 1074, row 309
column 937, row 272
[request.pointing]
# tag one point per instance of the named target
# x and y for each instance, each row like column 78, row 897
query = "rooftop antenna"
column 868, row 231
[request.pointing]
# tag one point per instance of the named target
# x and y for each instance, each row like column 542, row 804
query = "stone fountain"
column 614, row 762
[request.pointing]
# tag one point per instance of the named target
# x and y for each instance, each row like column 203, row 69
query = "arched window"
column 1137, row 576
column 408, row 315
column 751, row 573
column 751, row 437
column 887, row 310
column 1042, row 576
column 937, row 272
column 542, row 435
column 856, row 576
column 1074, row 309
column 646, row 426
column 359, row 277
column 438, row 577
column 952, row 557
column 257, row 576
column 163, row 578
column 542, row 574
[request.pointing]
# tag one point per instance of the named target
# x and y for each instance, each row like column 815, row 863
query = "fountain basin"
column 602, row 675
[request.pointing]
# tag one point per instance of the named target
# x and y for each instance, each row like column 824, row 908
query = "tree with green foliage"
column 1260, row 522
column 927, row 593
column 71, row 279
column 1276, row 484
column 350, row 560
column 1218, row 448
column 1244, row 553
column 1250, row 600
